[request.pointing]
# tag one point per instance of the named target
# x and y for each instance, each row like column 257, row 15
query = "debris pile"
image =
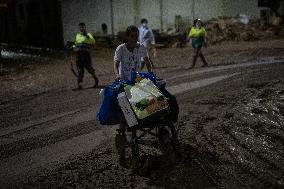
column 242, row 29
column 239, row 28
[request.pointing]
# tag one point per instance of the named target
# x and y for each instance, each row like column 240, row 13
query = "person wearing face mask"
column 198, row 37
column 147, row 38
column 83, row 43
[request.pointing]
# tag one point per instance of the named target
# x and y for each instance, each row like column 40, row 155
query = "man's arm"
column 91, row 39
column 116, row 61
column 116, row 69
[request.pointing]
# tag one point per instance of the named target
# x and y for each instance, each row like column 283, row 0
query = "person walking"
column 198, row 38
column 83, row 43
column 147, row 38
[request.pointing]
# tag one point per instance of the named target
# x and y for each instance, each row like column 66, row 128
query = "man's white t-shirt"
column 129, row 61
column 146, row 36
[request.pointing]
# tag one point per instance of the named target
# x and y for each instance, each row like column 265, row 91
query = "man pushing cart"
column 145, row 107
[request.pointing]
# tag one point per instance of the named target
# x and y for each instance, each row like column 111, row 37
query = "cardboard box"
column 126, row 109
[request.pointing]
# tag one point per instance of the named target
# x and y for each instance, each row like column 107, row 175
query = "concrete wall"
column 247, row 7
column 92, row 12
column 205, row 9
column 160, row 13
column 174, row 8
column 150, row 9
column 123, row 11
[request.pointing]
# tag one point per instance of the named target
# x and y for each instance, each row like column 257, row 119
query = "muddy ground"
column 230, row 127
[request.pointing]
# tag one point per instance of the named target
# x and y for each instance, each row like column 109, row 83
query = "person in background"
column 198, row 38
column 147, row 38
column 83, row 43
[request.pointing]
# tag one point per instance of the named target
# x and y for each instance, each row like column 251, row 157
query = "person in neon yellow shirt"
column 83, row 43
column 198, row 37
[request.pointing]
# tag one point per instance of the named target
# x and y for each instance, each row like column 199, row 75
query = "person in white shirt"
column 130, row 56
column 147, row 38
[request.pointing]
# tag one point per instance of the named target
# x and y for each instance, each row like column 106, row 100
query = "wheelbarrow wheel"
column 167, row 137
column 136, row 160
column 121, row 144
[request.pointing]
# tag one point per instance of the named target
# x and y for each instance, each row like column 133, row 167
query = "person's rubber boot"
column 96, row 82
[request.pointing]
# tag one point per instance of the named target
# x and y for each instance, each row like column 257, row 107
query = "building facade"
column 50, row 23
column 161, row 14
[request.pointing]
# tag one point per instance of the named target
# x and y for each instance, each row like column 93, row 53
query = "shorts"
column 197, row 43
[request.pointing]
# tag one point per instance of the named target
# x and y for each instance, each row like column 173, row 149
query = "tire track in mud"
column 209, row 159
column 246, row 64
column 257, row 153
column 62, row 102
column 254, row 159
column 33, row 124
column 186, row 86
column 46, row 139
column 205, row 152
column 51, row 155
column 50, row 124
column 254, row 173
column 263, row 177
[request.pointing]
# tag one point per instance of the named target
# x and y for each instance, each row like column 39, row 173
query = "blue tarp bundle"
column 110, row 112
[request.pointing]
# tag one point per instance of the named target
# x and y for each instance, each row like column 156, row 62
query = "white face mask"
column 144, row 24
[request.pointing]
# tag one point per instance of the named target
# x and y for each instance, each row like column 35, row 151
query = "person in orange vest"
column 83, row 43
column 198, row 37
